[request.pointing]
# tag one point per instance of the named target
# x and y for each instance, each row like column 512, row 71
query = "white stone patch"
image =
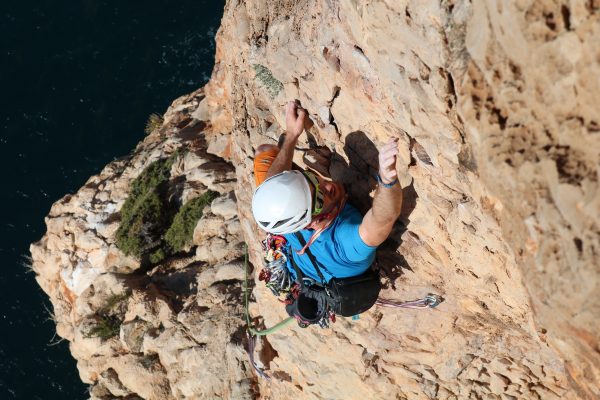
column 224, row 206
column 97, row 258
column 88, row 241
column 201, row 113
column 95, row 219
column 325, row 114
column 191, row 161
column 79, row 278
column 206, row 177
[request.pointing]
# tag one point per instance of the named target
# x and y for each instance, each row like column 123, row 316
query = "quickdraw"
column 429, row 301
column 275, row 273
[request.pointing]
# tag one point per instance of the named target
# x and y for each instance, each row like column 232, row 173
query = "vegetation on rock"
column 152, row 227
column 154, row 122
column 181, row 230
column 108, row 326
column 109, row 319
column 146, row 211
column 264, row 75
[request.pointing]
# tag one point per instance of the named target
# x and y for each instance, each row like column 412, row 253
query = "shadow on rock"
column 358, row 176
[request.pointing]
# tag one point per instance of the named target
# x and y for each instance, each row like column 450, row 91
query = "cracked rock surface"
column 495, row 108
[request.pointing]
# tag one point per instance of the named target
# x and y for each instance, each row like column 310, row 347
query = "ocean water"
column 78, row 82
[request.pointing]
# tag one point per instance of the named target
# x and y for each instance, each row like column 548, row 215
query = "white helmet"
column 283, row 204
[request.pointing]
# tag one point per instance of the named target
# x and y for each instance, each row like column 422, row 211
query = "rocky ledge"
column 495, row 108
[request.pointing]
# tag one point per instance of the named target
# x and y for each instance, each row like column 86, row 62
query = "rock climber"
column 288, row 200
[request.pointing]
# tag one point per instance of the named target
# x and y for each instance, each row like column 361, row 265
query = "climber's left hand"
column 295, row 119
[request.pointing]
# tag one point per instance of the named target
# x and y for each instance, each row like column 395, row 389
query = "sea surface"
column 78, row 80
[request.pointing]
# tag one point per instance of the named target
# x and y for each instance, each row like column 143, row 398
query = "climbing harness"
column 308, row 304
column 307, row 301
column 342, row 296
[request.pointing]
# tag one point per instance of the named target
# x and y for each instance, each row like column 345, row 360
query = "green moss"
column 146, row 211
column 154, row 122
column 264, row 75
column 181, row 230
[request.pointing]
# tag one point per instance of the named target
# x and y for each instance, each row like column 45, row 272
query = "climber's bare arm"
column 295, row 118
column 387, row 203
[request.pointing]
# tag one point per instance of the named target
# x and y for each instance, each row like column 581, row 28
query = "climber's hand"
column 378, row 222
column 295, row 119
column 387, row 161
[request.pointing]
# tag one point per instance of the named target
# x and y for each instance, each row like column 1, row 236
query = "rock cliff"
column 495, row 106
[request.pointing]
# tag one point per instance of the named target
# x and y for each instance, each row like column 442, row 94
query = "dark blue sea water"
column 78, row 80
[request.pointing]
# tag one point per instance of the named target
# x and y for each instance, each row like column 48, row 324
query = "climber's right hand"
column 387, row 161
column 295, row 118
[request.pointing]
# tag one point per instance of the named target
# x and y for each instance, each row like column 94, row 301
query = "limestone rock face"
column 495, row 108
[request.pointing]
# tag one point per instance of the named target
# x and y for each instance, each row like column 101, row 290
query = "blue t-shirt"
column 339, row 249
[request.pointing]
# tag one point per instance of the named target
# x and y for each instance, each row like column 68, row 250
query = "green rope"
column 253, row 331
column 274, row 328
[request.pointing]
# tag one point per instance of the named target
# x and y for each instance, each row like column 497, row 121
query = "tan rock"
column 207, row 227
column 142, row 375
column 132, row 335
column 218, row 250
column 229, row 271
column 233, row 227
column 110, row 380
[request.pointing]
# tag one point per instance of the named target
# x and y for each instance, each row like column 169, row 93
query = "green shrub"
column 146, row 212
column 154, row 122
column 112, row 301
column 181, row 230
column 109, row 322
column 264, row 75
column 108, row 326
column 151, row 227
column 157, row 256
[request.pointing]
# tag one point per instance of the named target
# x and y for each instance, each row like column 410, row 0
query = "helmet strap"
column 318, row 200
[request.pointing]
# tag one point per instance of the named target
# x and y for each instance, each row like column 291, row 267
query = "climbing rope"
column 253, row 333
column 251, row 329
